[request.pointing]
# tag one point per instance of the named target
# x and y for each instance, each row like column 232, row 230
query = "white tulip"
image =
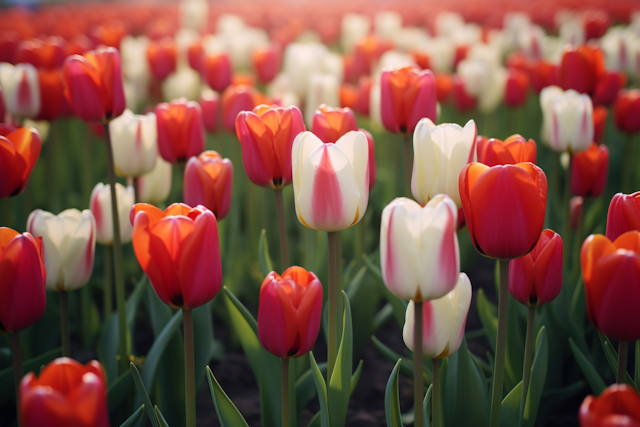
column 441, row 51
column 194, row 14
column 448, row 23
column 323, row 89
column 20, row 89
column 387, row 24
column 155, row 186
column 353, row 28
column 100, row 206
column 135, row 143
column 240, row 46
column 229, row 24
column 567, row 119
column 409, row 39
column 301, row 60
column 184, row 83
column 572, row 32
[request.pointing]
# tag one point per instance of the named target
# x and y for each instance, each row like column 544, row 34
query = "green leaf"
column 406, row 368
column 263, row 254
column 203, row 338
column 612, row 358
column 157, row 349
column 32, row 365
column 382, row 317
column 134, row 418
column 340, row 382
column 118, row 390
column 399, row 305
column 596, row 383
column 142, row 392
column 321, row 388
column 161, row 421
column 515, row 343
column 426, row 406
column 510, row 408
column 488, row 317
column 392, row 399
column 538, row 378
column 108, row 347
column 228, row 414
column 355, row 378
column 134, row 301
column 317, row 419
column 305, row 390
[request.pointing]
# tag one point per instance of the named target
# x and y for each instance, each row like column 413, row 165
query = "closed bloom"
column 180, row 130
column 162, row 56
column 512, row 150
column 330, row 181
column 208, row 180
column 209, row 106
column 290, row 312
column 567, row 119
column 608, row 87
column 48, row 53
column 581, row 68
column 135, row 143
column 589, row 171
column 461, row 98
column 155, row 186
column 20, row 89
column 517, row 86
column 617, row 406
column 178, row 249
column 610, row 271
column 599, row 122
column 329, row 124
column 52, row 100
column 216, row 71
column 407, row 95
column 627, row 111
column 536, row 278
column 19, row 152
column 100, row 206
column 576, row 210
column 266, row 61
column 237, row 99
column 504, row 207
column 440, row 153
column 184, row 83
column 22, row 280
column 69, row 246
column 267, row 136
column 93, row 85
column 443, row 321
column 419, row 251
column 66, row 393
column 623, row 215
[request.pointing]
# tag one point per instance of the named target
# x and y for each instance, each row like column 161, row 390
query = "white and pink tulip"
column 100, row 205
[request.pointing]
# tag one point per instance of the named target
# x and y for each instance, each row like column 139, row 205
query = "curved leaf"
column 118, row 390
column 321, row 388
column 355, row 378
column 392, row 399
column 161, row 421
column 612, row 358
column 263, row 254
column 32, row 365
column 228, row 414
column 134, row 418
column 407, row 366
column 596, row 383
column 142, row 392
column 538, row 377
column 510, row 409
column 306, row 388
column 339, row 391
column 156, row 350
column 488, row 317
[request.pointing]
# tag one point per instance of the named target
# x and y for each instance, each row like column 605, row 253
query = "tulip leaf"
column 316, row 420
column 203, row 338
column 118, row 390
column 306, row 389
column 515, row 344
column 108, row 347
column 426, row 406
column 263, row 254
column 32, row 365
column 382, row 317
column 134, row 418
column 538, row 378
column 612, row 358
column 142, row 392
column 134, row 301
column 392, row 399
column 321, row 388
column 510, row 408
column 228, row 414
column 355, row 378
column 155, row 352
column 340, row 383
column 594, row 379
column 161, row 421
column 488, row 317
column 399, row 305
column 406, row 368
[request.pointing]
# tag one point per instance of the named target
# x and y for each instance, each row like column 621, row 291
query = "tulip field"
column 320, row 214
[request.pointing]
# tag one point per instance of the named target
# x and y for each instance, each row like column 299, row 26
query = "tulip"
column 329, row 124
column 237, row 99
column 626, row 111
column 48, row 53
column 364, row 95
column 515, row 93
column 22, row 280
column 596, row 23
column 512, row 150
column 194, row 14
column 330, row 181
column 367, row 53
column 589, row 171
column 180, row 130
column 66, row 393
column 444, row 87
column 290, row 312
column 52, row 100
column 135, row 143
column 581, row 68
column 567, row 119
column 266, row 62
column 3, row 110
column 599, row 121
column 504, row 207
column 543, row 74
column 387, row 24
column 300, row 61
column 155, row 186
column 208, row 180
column 93, row 85
column 162, row 57
column 576, row 210
column 324, row 89
column 623, row 215
column 372, row 157
column 216, row 71
column 100, row 205
column 19, row 152
column 609, row 270
column 617, row 406
column 109, row 34
column 20, row 89
column 606, row 91
column 184, row 83
column 440, row 153
column 178, row 249
column 209, row 105
column 353, row 28
column 348, row 96
column 69, row 246
column 420, row 263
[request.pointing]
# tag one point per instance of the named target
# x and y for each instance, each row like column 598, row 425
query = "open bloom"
column 267, row 135
column 178, row 249
column 440, row 153
column 290, row 312
column 623, row 215
column 19, row 152
column 93, row 85
column 419, row 251
column 330, row 181
column 66, row 393
column 180, row 130
column 100, row 206
column 135, row 143
column 443, row 321
column 627, row 111
column 617, row 406
column 216, row 71
column 20, row 89
column 208, row 180
column 589, row 171
column 329, row 124
column 155, row 186
column 504, row 207
column 69, row 246
column 162, row 56
column 567, row 119
column 536, row 278
column 610, row 271
column 512, row 150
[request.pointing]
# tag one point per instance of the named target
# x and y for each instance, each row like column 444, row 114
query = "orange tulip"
column 589, row 170
column 19, row 151
column 162, row 57
column 514, row 149
column 329, row 124
column 208, row 180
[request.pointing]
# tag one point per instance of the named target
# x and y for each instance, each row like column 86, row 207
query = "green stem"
column 566, row 234
column 64, row 324
column 117, row 257
column 577, row 245
column 285, row 392
column 108, row 280
column 189, row 368
column 418, row 382
column 623, row 353
column 408, row 165
column 16, row 356
column 332, row 345
column 528, row 356
column 360, row 235
column 282, row 228
column 435, row 393
column 87, row 164
column 501, row 345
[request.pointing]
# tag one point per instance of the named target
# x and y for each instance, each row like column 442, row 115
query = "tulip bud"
column 515, row 93
column 438, row 174
column 364, row 95
column 162, row 56
column 216, row 71
column 66, row 393
column 589, row 171
column 48, row 53
column 52, row 100
column 330, row 181
column 461, row 98
column 178, row 249
column 100, row 205
column 444, row 87
column 266, row 62
column 209, row 106
column 576, row 209
column 623, row 215
column 514, row 149
column 617, row 406
column 290, row 312
column 543, row 74
column 135, row 143
column 599, row 122
column 155, row 186
column 208, row 180
column 443, row 321
column 20, row 89
column 235, row 100
column 567, row 123
column 329, row 124
column 19, row 152
column 608, row 87
column 581, row 68
column 69, row 246
column 626, row 111
column 180, row 130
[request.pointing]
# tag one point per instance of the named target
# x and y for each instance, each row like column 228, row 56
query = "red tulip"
column 364, row 95
column 536, row 278
column 93, row 85
column 178, row 249
column 596, row 23
column 623, row 215
column 22, row 280
column 52, row 100
column 627, row 111
column 109, row 34
column 599, row 122
column 267, row 62
column 216, row 71
column 19, row 151
column 444, row 87
column 195, row 55
column 514, row 149
column 237, row 99
column 48, row 53
column 78, row 46
column 543, row 74
column 504, row 207
column 329, row 124
column 290, row 311
column 3, row 110
column 372, row 157
column 9, row 41
column 589, row 170
column 180, row 130
column 581, row 68
column 461, row 98
column 162, row 57
column 517, row 86
column 267, row 135
column 617, row 406
column 576, row 209
column 209, row 107
column 65, row 394
column 208, row 180
column 606, row 91
column 611, row 273
column 407, row 96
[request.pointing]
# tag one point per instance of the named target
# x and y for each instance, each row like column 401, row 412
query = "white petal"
column 354, row 145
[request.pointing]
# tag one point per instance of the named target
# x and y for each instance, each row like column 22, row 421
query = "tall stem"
column 64, row 324
column 285, row 392
column 623, row 353
column 435, row 393
column 117, row 256
column 418, row 382
column 189, row 368
column 16, row 356
column 282, row 227
column 566, row 234
column 408, row 165
column 108, row 281
column 501, row 341
column 528, row 356
column 332, row 346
